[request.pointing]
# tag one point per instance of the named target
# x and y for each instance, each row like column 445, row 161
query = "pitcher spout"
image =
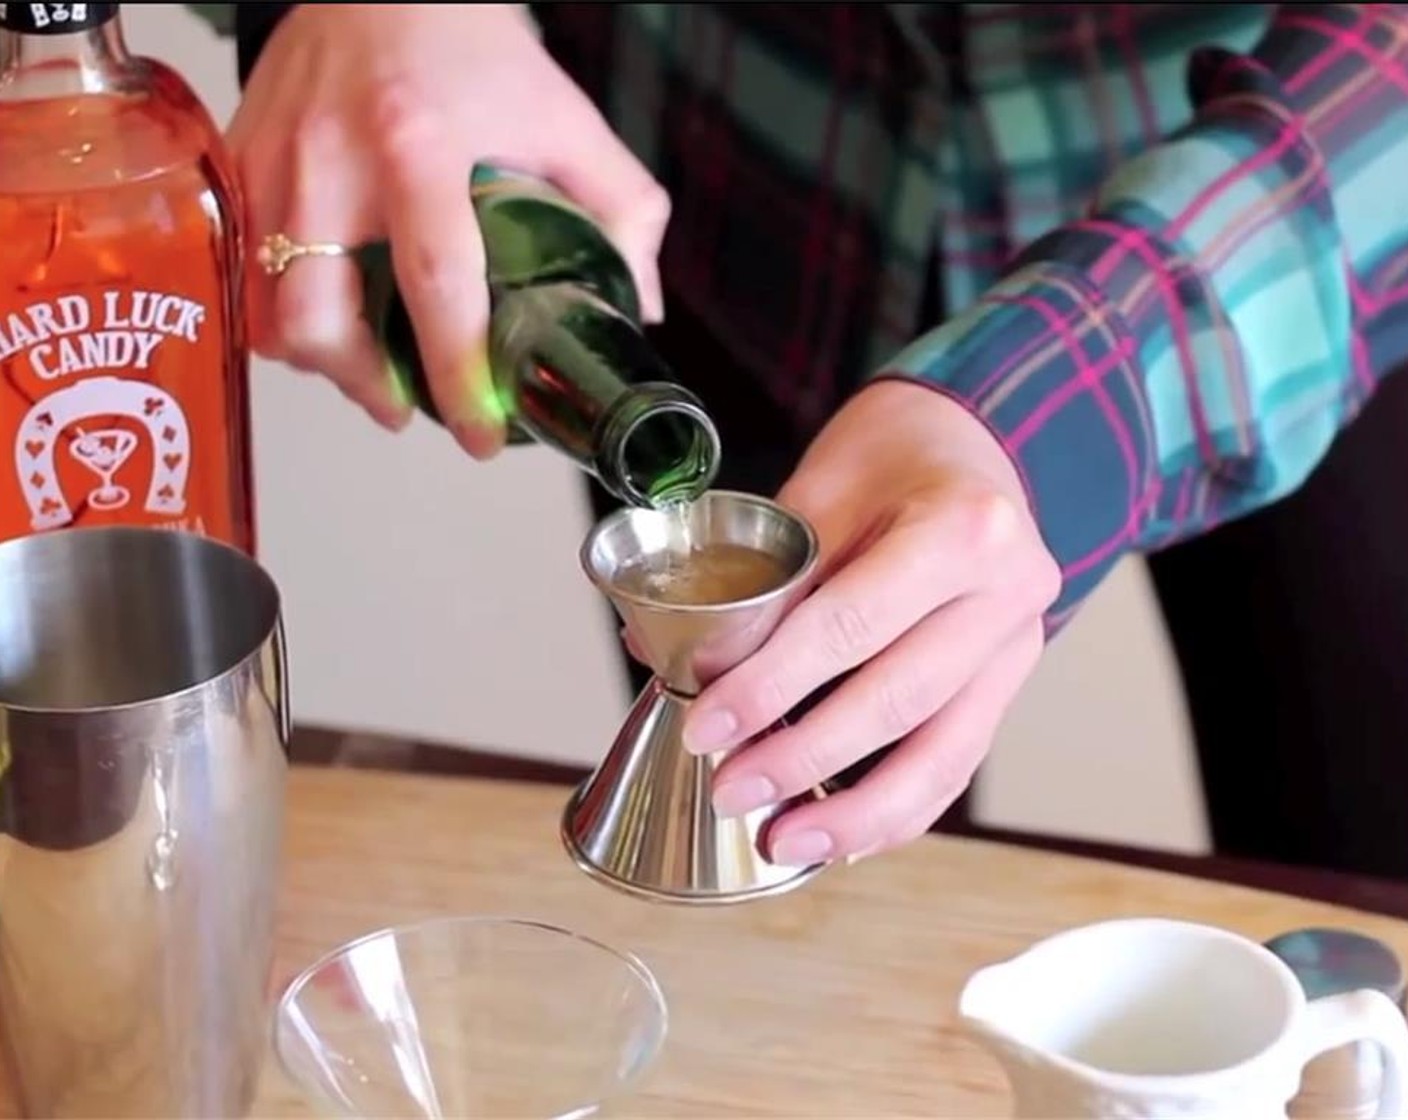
column 991, row 1000
column 996, row 1010
column 989, row 1008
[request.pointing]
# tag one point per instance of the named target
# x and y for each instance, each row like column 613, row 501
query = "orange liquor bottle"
column 123, row 370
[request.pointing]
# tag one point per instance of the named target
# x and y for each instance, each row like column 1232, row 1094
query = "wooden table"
column 835, row 1001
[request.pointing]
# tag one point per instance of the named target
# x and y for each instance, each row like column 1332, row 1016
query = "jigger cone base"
column 594, row 871
column 645, row 824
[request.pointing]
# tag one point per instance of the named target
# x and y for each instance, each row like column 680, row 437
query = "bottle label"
column 100, row 435
column 54, row 19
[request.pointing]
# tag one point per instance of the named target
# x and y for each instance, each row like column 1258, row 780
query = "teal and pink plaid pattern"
column 1172, row 238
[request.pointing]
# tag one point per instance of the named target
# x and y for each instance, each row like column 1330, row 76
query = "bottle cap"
column 54, row 19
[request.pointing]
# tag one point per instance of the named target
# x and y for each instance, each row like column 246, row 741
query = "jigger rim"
column 786, row 587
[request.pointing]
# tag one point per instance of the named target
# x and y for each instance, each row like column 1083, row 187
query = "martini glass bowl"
column 469, row 1017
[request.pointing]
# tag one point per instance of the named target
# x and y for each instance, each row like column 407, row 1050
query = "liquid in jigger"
column 703, row 576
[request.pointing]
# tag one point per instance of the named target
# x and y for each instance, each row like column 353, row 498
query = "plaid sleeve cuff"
column 1188, row 352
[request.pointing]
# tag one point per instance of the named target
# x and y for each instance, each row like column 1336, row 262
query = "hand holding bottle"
column 362, row 122
column 928, row 600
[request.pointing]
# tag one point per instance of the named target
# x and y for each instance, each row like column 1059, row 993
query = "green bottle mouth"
column 659, row 446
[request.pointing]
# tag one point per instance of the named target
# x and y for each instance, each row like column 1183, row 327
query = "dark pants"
column 1291, row 631
column 1290, row 628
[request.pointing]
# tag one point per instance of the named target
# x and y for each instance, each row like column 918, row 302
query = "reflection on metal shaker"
column 144, row 728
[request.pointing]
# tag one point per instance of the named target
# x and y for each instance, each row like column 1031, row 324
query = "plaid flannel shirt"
column 1171, row 239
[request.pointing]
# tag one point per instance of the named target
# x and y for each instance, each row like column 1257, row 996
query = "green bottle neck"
column 578, row 375
column 573, row 373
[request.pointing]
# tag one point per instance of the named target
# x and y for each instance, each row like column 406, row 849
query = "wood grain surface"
column 835, row 1001
column 322, row 746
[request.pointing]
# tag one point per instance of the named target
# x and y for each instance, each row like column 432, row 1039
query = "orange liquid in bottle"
column 123, row 371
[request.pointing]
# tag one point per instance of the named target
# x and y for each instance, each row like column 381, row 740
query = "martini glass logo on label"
column 103, row 452
column 58, row 420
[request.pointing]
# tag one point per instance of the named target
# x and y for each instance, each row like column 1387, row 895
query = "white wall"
column 1098, row 745
column 432, row 596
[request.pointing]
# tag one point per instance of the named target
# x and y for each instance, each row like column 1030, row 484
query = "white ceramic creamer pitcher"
column 1169, row 1020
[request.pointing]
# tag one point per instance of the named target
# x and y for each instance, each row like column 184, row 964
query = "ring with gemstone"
column 278, row 251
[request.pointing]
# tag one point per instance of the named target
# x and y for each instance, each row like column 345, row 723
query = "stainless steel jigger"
column 644, row 822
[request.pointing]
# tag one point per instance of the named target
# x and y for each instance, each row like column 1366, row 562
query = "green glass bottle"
column 570, row 364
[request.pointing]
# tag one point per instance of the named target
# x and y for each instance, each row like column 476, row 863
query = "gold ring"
column 277, row 252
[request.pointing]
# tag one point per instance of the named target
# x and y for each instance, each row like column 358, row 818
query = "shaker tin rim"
column 261, row 575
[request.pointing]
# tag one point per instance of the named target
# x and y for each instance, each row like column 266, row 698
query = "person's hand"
column 929, row 592
column 362, row 122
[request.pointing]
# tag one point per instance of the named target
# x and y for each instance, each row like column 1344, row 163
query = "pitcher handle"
column 1362, row 1016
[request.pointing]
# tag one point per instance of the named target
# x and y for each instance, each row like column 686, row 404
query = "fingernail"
column 383, row 411
column 709, row 730
column 865, row 853
column 479, row 440
column 801, row 849
column 392, row 419
column 743, row 795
